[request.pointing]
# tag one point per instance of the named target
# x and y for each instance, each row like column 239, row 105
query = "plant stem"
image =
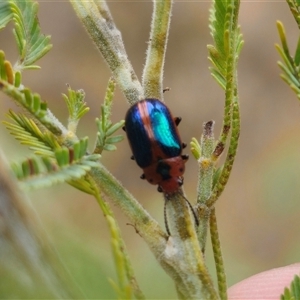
column 122, row 261
column 205, row 179
column 231, row 120
column 153, row 70
column 216, row 246
column 98, row 22
column 220, row 185
column 206, row 165
column 186, row 265
column 147, row 227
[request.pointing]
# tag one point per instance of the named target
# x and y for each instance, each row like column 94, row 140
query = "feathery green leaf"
column 77, row 107
column 33, row 104
column 67, row 165
column 290, row 65
column 217, row 23
column 295, row 10
column 226, row 35
column 105, row 127
column 32, row 44
column 6, row 69
column 28, row 133
column 5, row 13
column 82, row 185
column 224, row 56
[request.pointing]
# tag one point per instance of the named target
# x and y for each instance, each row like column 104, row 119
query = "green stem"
column 206, row 171
column 203, row 213
column 153, row 70
column 231, row 121
column 98, row 22
column 216, row 246
column 206, row 165
column 220, row 185
column 186, row 265
column 122, row 261
column 147, row 227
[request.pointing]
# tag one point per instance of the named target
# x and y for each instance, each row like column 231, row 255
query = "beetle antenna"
column 191, row 208
column 166, row 219
column 193, row 211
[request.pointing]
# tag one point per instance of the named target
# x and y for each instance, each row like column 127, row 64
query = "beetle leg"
column 180, row 181
column 159, row 189
column 143, row 176
column 185, row 156
column 177, row 120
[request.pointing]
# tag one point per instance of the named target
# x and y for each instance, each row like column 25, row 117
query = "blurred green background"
column 258, row 214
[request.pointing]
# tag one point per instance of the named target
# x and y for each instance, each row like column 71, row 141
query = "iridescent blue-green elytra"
column 155, row 142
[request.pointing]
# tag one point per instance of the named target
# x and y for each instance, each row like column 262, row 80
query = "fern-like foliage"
column 82, row 185
column 105, row 140
column 292, row 293
column 224, row 56
column 77, row 107
column 67, row 164
column 28, row 133
column 291, row 64
column 295, row 10
column 5, row 14
column 226, row 34
column 31, row 102
column 6, row 70
column 32, row 44
column 218, row 52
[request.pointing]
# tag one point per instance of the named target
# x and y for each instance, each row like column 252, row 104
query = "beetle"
column 155, row 143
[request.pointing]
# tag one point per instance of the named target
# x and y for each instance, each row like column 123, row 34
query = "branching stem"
column 98, row 22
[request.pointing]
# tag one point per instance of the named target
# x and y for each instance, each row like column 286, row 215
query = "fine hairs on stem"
column 191, row 208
